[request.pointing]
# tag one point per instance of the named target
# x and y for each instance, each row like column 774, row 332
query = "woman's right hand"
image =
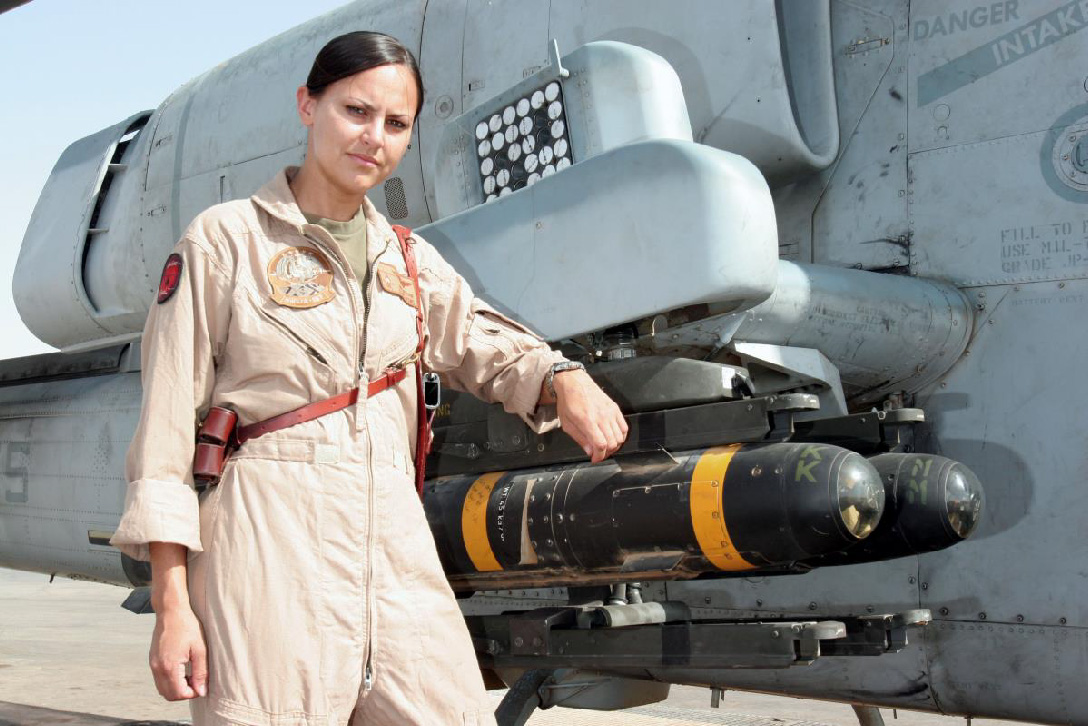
column 177, row 642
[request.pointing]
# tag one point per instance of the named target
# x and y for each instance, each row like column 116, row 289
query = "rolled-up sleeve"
column 478, row 350
column 181, row 341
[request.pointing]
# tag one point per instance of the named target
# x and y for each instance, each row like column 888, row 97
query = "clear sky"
column 69, row 68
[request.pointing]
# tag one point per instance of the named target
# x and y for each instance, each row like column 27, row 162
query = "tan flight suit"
column 311, row 564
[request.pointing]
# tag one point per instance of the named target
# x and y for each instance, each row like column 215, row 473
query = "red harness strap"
column 423, row 423
column 305, row 413
column 320, row 408
column 389, row 378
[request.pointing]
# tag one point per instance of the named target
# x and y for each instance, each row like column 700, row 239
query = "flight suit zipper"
column 360, row 350
column 360, row 373
column 368, row 671
column 368, row 298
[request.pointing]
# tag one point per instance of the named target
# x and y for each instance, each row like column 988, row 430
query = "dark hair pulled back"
column 358, row 51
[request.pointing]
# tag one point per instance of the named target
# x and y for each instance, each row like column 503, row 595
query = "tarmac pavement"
column 70, row 655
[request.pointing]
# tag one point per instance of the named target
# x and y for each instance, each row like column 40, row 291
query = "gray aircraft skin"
column 883, row 205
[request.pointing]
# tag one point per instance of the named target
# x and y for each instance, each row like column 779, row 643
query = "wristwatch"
column 563, row 365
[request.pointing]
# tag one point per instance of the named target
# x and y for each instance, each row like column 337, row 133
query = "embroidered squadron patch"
column 395, row 283
column 301, row 277
column 171, row 277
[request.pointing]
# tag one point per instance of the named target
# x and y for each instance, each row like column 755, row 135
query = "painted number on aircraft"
column 16, row 457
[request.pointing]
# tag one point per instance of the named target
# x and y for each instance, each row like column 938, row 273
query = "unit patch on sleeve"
column 396, row 283
column 301, row 277
column 171, row 277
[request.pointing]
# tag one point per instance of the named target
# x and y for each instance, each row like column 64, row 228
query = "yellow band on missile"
column 707, row 511
column 474, row 523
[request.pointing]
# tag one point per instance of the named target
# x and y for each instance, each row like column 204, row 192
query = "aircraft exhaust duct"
column 727, row 510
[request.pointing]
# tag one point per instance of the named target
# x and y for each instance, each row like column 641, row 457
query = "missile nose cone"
column 932, row 502
column 963, row 500
column 860, row 496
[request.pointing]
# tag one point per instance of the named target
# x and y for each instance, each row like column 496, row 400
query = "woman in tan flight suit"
column 305, row 587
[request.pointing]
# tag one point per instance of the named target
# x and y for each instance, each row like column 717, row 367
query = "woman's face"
column 360, row 126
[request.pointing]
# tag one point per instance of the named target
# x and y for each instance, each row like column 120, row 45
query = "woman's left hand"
column 588, row 415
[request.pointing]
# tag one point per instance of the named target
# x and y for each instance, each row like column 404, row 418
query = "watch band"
column 563, row 365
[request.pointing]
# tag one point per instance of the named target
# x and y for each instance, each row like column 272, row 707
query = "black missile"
column 728, row 510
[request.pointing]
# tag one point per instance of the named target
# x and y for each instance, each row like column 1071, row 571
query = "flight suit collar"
column 278, row 200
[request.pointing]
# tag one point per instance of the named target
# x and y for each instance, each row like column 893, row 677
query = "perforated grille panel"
column 396, row 203
column 523, row 142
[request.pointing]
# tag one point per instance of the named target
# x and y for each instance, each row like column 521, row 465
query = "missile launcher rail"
column 542, row 641
column 472, row 436
column 571, row 637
